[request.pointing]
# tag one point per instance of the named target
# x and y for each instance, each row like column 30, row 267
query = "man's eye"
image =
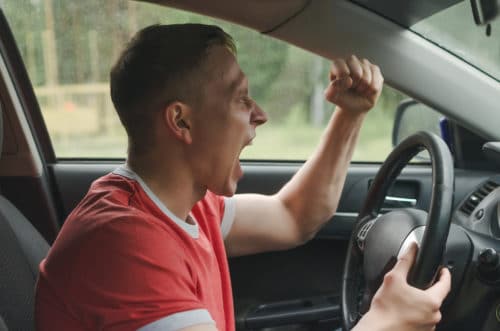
column 246, row 101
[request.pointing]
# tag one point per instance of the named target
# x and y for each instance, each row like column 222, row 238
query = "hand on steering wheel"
column 400, row 306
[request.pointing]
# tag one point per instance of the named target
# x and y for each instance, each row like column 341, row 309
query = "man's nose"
column 259, row 116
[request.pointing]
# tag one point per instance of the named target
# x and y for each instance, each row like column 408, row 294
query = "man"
column 146, row 248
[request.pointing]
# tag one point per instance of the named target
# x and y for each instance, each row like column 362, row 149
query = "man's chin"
column 232, row 182
column 229, row 186
column 227, row 190
column 230, row 191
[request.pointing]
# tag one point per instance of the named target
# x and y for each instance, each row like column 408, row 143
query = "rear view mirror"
column 484, row 11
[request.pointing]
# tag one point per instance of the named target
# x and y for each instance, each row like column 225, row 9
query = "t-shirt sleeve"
column 135, row 275
column 178, row 321
column 228, row 216
column 222, row 209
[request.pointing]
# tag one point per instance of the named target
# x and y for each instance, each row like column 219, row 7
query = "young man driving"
column 147, row 247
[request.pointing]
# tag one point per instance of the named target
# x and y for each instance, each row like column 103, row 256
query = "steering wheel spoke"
column 363, row 233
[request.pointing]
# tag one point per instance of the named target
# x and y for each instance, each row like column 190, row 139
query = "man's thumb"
column 406, row 260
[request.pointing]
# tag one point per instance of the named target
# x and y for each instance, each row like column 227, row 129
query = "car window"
column 69, row 46
column 454, row 29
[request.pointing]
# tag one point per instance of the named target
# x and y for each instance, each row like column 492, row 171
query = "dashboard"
column 480, row 211
column 479, row 214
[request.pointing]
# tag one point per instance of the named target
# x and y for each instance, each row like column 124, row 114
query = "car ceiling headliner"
column 406, row 12
column 268, row 15
column 261, row 15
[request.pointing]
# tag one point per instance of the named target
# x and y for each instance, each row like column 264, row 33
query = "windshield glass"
column 454, row 30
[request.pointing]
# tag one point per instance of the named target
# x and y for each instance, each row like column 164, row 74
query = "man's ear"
column 177, row 119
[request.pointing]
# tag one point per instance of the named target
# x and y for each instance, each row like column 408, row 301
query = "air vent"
column 478, row 196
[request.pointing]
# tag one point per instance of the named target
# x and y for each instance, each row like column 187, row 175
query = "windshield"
column 454, row 30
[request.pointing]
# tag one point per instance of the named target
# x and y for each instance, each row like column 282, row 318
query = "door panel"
column 310, row 273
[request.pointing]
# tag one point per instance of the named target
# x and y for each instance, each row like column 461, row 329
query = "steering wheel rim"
column 437, row 224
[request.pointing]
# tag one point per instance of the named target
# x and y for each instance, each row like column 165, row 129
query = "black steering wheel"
column 377, row 240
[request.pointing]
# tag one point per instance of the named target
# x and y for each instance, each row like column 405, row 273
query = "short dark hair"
column 161, row 64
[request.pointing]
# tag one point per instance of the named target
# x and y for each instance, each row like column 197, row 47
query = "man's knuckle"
column 434, row 304
column 365, row 81
column 357, row 74
column 371, row 89
column 436, row 318
column 389, row 278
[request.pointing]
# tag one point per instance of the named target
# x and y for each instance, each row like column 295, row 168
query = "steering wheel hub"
column 385, row 240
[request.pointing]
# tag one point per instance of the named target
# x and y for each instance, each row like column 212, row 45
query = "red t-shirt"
column 123, row 261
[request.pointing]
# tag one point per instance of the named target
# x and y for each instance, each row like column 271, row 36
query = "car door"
column 59, row 120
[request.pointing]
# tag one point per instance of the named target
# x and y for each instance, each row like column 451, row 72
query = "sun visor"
column 261, row 15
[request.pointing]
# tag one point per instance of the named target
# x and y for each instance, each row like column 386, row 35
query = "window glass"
column 69, row 46
column 454, row 29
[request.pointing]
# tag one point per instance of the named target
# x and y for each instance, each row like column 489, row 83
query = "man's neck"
column 170, row 180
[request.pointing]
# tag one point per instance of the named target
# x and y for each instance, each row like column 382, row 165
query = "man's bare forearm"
column 314, row 192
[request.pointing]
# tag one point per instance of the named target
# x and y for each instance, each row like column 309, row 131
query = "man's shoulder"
column 109, row 191
column 111, row 200
column 113, row 184
column 107, row 223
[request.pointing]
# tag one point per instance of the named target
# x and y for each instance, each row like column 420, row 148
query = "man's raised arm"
column 310, row 198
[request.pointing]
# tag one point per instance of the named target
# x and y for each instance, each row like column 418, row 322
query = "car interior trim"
column 256, row 14
column 406, row 12
column 277, row 26
column 26, row 161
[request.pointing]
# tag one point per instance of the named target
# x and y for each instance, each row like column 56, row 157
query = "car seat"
column 21, row 250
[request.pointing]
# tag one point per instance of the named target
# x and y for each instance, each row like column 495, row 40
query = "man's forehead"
column 225, row 69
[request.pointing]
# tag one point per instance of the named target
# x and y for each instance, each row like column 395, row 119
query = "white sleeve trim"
column 179, row 321
column 229, row 214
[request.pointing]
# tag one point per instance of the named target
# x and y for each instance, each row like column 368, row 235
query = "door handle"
column 399, row 202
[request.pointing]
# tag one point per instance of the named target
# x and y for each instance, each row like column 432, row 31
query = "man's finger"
column 366, row 78
column 377, row 80
column 343, row 84
column 336, row 88
column 406, row 260
column 355, row 69
column 442, row 287
column 339, row 69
